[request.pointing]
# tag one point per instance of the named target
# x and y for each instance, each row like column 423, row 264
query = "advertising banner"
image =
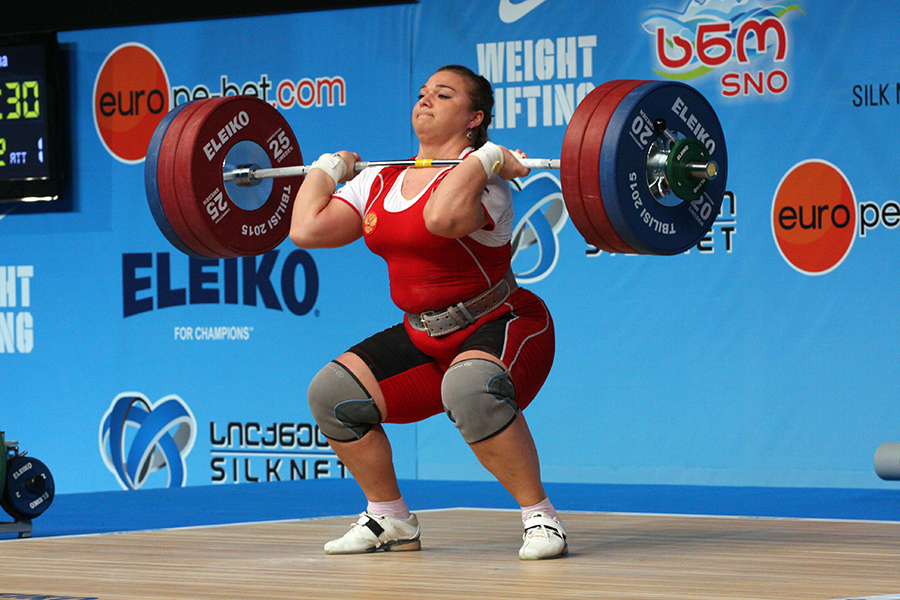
column 763, row 355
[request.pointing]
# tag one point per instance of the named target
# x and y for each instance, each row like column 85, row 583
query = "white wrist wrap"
column 491, row 157
column 333, row 165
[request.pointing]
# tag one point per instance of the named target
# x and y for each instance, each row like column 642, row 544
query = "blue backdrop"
column 730, row 364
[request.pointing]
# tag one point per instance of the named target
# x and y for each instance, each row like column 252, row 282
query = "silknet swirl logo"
column 535, row 241
column 138, row 438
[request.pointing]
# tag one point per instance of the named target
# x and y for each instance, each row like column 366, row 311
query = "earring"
column 469, row 134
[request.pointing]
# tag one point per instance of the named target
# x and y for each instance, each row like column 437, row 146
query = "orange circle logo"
column 814, row 217
column 131, row 96
column 369, row 223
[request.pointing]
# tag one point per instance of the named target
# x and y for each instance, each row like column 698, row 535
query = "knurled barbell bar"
column 642, row 170
column 250, row 175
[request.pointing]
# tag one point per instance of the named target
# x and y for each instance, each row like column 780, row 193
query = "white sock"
column 395, row 508
column 544, row 506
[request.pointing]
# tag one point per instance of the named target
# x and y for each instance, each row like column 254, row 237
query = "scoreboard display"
column 29, row 140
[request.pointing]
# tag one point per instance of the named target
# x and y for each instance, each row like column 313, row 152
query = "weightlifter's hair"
column 481, row 95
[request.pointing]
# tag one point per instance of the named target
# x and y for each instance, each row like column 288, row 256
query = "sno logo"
column 715, row 34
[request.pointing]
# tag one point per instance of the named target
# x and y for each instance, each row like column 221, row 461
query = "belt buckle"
column 423, row 316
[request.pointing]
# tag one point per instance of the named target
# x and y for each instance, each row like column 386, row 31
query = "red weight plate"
column 570, row 160
column 151, row 182
column 589, row 166
column 166, row 174
column 184, row 206
column 209, row 210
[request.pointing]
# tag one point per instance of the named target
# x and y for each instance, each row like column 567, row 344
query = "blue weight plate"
column 29, row 488
column 645, row 223
column 151, row 182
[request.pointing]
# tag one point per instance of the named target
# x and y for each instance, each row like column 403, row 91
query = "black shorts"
column 409, row 365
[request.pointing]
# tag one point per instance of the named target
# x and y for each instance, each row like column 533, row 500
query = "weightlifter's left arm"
column 454, row 209
column 318, row 220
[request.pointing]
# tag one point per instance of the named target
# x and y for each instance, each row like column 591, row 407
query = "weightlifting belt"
column 462, row 314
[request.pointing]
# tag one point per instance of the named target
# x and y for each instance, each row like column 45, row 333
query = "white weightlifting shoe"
column 544, row 537
column 374, row 532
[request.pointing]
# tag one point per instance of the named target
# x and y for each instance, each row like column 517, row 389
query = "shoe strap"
column 542, row 522
column 373, row 526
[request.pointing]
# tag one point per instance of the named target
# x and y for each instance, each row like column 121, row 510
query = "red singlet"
column 429, row 272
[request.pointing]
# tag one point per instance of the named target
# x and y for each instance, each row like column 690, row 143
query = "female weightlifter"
column 472, row 344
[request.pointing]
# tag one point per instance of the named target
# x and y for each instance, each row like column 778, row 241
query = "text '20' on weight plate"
column 652, row 219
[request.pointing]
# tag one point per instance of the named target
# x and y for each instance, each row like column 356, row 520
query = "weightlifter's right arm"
column 317, row 220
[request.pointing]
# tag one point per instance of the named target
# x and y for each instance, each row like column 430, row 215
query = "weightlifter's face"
column 444, row 108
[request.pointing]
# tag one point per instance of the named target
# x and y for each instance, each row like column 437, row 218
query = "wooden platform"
column 469, row 554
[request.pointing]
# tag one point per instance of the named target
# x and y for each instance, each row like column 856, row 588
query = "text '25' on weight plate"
column 238, row 130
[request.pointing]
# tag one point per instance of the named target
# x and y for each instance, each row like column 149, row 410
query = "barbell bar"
column 250, row 175
column 643, row 170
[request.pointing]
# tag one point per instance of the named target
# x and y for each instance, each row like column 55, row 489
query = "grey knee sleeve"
column 341, row 406
column 479, row 397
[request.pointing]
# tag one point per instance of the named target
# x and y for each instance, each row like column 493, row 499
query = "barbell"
column 643, row 170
